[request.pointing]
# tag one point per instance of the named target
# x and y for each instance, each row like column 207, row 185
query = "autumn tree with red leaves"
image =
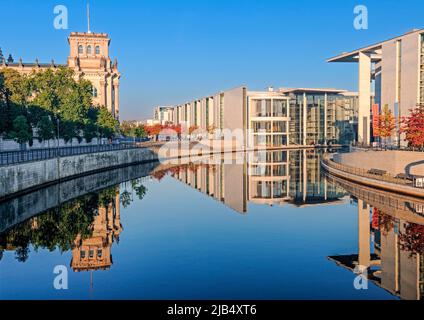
column 154, row 130
column 412, row 240
column 413, row 127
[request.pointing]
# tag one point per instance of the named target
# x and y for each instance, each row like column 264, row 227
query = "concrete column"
column 364, row 98
column 325, row 118
column 117, row 100
column 305, row 176
column 364, row 234
column 305, row 118
column 109, row 94
column 103, row 92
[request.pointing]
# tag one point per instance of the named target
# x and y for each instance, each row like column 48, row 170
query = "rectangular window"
column 261, row 171
column 279, row 189
column 280, row 126
column 279, row 170
column 221, row 111
column 262, row 140
column 82, row 254
column 261, row 127
column 195, row 113
column 262, row 156
column 280, row 156
column 280, row 108
column 264, row 190
column 91, row 254
column 279, row 140
column 262, row 108
column 207, row 113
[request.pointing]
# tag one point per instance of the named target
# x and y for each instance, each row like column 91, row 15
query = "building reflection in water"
column 266, row 178
column 94, row 253
column 390, row 226
column 390, row 241
column 87, row 226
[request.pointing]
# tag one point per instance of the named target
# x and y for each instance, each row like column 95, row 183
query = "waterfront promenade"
column 395, row 171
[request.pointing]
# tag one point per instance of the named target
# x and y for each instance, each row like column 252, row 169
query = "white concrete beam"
column 364, row 87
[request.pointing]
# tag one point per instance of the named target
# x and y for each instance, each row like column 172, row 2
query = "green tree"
column 140, row 132
column 21, row 131
column 46, row 130
column 107, row 123
column 12, row 99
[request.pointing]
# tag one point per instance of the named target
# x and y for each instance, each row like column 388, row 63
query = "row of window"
column 268, row 171
column 269, row 156
column 268, row 189
column 268, row 126
column 268, row 108
column 91, row 254
column 89, row 49
column 270, row 140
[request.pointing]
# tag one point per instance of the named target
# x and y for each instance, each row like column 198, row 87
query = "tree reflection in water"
column 58, row 228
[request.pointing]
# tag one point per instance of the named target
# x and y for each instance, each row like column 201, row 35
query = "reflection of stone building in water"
column 269, row 177
column 94, row 253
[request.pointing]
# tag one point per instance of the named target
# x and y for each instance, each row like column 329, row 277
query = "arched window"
column 97, row 50
column 88, row 49
column 94, row 92
column 80, row 49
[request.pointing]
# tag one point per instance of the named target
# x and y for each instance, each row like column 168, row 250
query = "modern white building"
column 396, row 66
column 273, row 118
column 164, row 114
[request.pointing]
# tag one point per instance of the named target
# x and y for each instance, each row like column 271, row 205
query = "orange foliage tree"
column 154, row 130
column 386, row 124
column 413, row 127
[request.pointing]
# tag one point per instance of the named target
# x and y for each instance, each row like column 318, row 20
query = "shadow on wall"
column 409, row 167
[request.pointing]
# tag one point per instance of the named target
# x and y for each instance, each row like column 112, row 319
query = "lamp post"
column 58, row 132
column 58, row 135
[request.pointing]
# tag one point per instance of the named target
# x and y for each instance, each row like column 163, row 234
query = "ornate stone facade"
column 89, row 58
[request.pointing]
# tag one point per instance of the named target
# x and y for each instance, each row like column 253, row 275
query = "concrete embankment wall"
column 22, row 177
column 394, row 162
column 19, row 209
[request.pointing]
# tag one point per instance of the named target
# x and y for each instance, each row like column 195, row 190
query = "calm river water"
column 273, row 227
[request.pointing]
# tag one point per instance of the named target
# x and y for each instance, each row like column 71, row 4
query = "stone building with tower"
column 89, row 58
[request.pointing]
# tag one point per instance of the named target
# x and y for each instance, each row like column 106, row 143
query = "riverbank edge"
column 13, row 177
column 382, row 185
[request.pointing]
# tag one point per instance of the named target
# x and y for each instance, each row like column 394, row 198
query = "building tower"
column 89, row 57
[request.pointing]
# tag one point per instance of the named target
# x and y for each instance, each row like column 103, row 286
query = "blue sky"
column 172, row 51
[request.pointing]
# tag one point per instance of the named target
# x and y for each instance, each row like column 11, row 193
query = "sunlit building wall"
column 268, row 119
column 274, row 119
column 396, row 66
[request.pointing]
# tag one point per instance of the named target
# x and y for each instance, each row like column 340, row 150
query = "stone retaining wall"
column 25, row 176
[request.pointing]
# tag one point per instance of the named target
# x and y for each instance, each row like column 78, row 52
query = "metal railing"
column 22, row 156
column 386, row 148
column 405, row 180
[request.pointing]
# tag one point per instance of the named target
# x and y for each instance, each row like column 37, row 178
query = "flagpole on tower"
column 88, row 15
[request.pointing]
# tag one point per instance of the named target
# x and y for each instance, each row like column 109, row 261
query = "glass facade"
column 262, row 108
column 323, row 118
column 280, row 108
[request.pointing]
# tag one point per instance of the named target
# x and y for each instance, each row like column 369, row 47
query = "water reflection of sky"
column 179, row 244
